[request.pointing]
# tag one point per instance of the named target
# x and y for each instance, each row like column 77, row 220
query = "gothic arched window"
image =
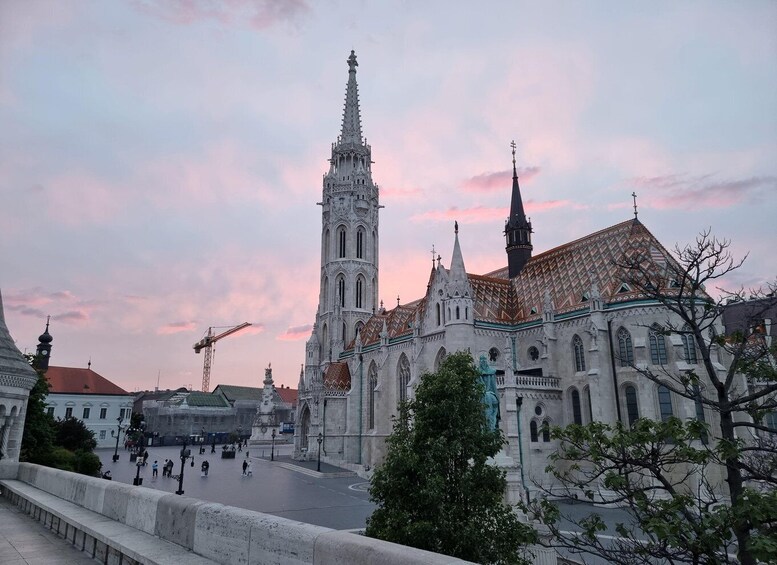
column 664, row 403
column 657, row 345
column 577, row 347
column 689, row 347
column 359, row 291
column 587, row 394
column 341, row 237
column 341, row 290
column 577, row 412
column 439, row 359
column 325, row 295
column 373, row 379
column 403, row 370
column 360, row 243
column 493, row 354
column 326, row 246
column 358, row 329
column 534, row 353
column 697, row 400
column 545, row 431
column 439, row 319
column 533, row 436
column 632, row 408
column 625, row 348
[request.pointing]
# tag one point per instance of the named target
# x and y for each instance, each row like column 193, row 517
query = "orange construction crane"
column 206, row 343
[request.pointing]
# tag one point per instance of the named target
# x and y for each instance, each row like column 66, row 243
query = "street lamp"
column 137, row 481
column 118, row 433
column 185, row 453
column 320, row 439
column 272, row 449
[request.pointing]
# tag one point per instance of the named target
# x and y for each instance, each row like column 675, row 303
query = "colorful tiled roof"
column 71, row 380
column 288, row 395
column 337, row 377
column 567, row 272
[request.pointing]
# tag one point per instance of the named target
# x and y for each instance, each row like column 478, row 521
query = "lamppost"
column 202, row 441
column 320, row 439
column 272, row 449
column 137, row 481
column 185, row 453
column 118, row 434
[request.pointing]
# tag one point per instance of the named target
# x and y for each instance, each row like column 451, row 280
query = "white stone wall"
column 102, row 427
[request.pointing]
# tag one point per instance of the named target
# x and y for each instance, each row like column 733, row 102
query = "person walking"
column 164, row 469
column 245, row 466
column 248, row 468
column 204, row 468
column 154, row 470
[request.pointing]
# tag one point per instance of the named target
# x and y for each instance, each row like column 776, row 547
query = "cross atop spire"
column 352, row 124
column 634, row 196
column 512, row 144
column 517, row 228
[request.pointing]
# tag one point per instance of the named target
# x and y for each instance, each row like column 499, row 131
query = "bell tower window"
column 341, row 242
column 360, row 244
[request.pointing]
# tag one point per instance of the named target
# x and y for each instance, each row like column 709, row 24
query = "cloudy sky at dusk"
column 161, row 160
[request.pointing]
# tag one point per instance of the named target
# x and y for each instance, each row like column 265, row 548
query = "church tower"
column 349, row 238
column 43, row 351
column 517, row 229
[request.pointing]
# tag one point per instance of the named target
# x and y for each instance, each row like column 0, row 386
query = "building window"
column 493, row 354
column 124, row 413
column 103, row 413
column 326, row 246
column 345, row 334
column 86, row 413
column 625, row 348
column 546, row 431
column 360, row 244
column 341, row 290
column 689, row 347
column 587, row 392
column 457, row 312
column 358, row 329
column 438, row 313
column 439, row 358
column 534, row 353
column 632, row 409
column 533, row 431
column 50, row 411
column 577, row 413
column 657, row 346
column 359, row 292
column 664, row 402
column 577, row 345
column 404, row 377
column 700, row 412
column 102, row 434
column 341, row 243
column 373, row 385
column 68, row 412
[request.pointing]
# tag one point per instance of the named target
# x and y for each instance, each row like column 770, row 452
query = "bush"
column 87, row 463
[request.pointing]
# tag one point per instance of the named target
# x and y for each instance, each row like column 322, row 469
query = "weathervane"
column 634, row 196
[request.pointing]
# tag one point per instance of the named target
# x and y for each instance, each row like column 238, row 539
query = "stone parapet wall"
column 223, row 534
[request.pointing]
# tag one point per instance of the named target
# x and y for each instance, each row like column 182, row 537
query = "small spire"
column 89, row 364
column 352, row 128
column 433, row 254
column 397, row 300
column 634, row 196
column 455, row 227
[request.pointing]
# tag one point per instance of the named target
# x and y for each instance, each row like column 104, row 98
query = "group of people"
column 167, row 468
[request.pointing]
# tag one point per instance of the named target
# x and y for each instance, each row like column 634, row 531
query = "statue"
column 490, row 397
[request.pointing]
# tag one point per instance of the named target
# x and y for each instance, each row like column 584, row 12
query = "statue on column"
column 490, row 396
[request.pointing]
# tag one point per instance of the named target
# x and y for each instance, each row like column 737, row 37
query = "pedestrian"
column 107, row 475
column 245, row 466
column 154, row 470
column 248, row 468
column 164, row 469
column 145, row 457
column 204, row 467
column 170, row 468
column 240, row 445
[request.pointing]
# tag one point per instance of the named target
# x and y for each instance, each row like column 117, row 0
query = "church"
column 561, row 329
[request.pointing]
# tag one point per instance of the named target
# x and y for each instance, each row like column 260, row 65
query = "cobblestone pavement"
column 278, row 487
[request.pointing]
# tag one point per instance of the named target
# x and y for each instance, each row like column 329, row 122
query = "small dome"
column 45, row 337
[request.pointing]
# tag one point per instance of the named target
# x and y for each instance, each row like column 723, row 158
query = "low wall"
column 224, row 534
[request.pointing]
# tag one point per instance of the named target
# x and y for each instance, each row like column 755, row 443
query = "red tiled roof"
column 287, row 394
column 70, row 380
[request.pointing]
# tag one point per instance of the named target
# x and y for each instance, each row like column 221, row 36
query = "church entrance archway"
column 304, row 427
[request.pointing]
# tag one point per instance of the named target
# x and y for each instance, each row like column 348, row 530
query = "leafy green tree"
column 436, row 491
column 38, row 435
column 73, row 435
column 698, row 490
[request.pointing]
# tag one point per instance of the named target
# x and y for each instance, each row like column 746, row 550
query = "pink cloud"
column 502, row 180
column 479, row 214
column 296, row 333
column 689, row 192
column 72, row 316
column 176, row 327
column 258, row 14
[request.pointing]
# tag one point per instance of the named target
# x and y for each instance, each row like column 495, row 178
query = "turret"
column 517, row 229
column 43, row 351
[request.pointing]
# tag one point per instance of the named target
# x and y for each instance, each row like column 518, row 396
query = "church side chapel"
column 560, row 330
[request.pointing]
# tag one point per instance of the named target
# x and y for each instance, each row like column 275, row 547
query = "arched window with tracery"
column 632, row 408
column 533, row 436
column 546, row 431
column 579, row 353
column 341, row 239
column 341, row 290
column 373, row 380
column 689, row 346
column 360, row 243
column 657, row 345
column 439, row 358
column 357, row 330
column 625, row 348
column 359, row 292
column 577, row 412
column 664, row 403
column 325, row 295
column 403, row 370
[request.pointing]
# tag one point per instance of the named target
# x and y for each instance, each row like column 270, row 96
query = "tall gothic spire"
column 517, row 229
column 352, row 121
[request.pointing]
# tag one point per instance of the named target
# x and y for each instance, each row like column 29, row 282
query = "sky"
column 161, row 160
